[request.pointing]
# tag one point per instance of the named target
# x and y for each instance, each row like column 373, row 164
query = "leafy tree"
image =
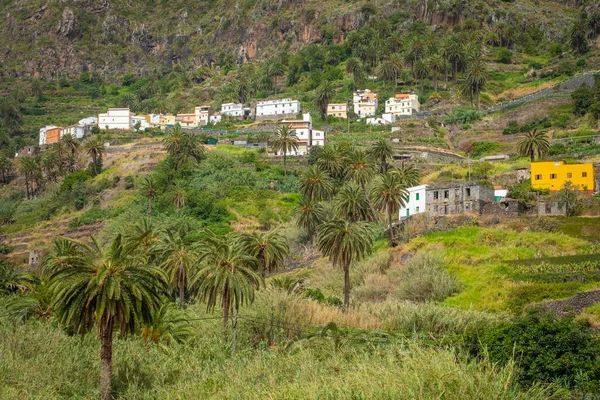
column 227, row 275
column 323, row 94
column 534, row 144
column 310, row 215
column 388, row 195
column 567, row 197
column 95, row 149
column 316, row 184
column 149, row 186
column 504, row 56
column 382, row 151
column 178, row 259
column 270, row 249
column 344, row 243
column 106, row 288
column 582, row 97
column 286, row 140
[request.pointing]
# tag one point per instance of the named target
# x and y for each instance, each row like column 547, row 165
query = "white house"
column 274, row 109
column 500, row 193
column 235, row 110
column 307, row 136
column 365, row 103
column 402, row 104
column 141, row 119
column 115, row 118
column 215, row 118
column 415, row 203
column 77, row 131
column 385, row 119
column 154, row 119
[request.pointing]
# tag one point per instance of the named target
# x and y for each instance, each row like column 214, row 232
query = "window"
column 417, row 197
column 468, row 191
column 538, row 177
column 552, row 176
column 446, row 194
column 435, row 208
column 569, row 175
column 416, row 209
column 584, row 174
column 467, row 206
column 436, row 195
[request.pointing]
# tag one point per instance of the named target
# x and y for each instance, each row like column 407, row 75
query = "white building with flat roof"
column 277, row 109
column 43, row 133
column 365, row 103
column 143, row 121
column 115, row 118
column 77, row 131
column 235, row 110
column 415, row 203
column 307, row 136
column 402, row 104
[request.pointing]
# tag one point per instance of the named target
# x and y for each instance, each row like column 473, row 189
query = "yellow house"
column 553, row 175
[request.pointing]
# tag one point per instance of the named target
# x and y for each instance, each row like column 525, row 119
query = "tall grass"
column 40, row 361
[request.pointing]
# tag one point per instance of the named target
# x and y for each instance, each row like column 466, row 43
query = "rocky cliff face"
column 53, row 39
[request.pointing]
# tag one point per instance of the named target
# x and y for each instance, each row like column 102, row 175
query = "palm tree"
column 94, row 148
column 437, row 63
column 388, row 196
column 270, row 249
column 323, row 94
column 12, row 280
column 105, row 288
column 344, row 243
column 28, row 166
column 5, row 168
column 409, row 176
column 360, row 171
column 578, row 36
column 167, row 325
column 285, row 141
column 178, row 197
column 422, row 70
column 48, row 163
column 310, row 215
column 60, row 149
column 475, row 79
column 351, row 204
column 177, row 258
column 184, row 147
column 387, row 71
column 354, row 67
column 534, row 144
column 227, row 275
column 331, row 161
column 149, row 186
column 316, row 184
column 142, row 238
column 382, row 150
column 71, row 143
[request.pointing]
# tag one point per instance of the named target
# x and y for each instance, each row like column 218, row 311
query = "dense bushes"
column 546, row 349
column 426, row 279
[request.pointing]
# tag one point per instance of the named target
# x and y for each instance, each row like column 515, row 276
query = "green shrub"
column 504, row 56
column 481, row 149
column 5, row 248
column 129, row 182
column 546, row 349
column 511, row 128
column 461, row 116
column 425, row 279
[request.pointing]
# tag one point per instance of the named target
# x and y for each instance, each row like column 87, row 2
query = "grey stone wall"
column 457, row 198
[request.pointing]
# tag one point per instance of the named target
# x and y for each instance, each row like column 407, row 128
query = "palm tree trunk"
column 373, row 213
column 284, row 162
column 234, row 328
column 454, row 71
column 435, row 80
column 391, row 226
column 150, row 205
column 106, row 335
column 478, row 103
column 181, row 295
column 27, row 186
column 225, row 306
column 383, row 165
column 346, row 288
column 94, row 163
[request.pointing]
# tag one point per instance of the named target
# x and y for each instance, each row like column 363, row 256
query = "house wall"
column 115, row 118
column 416, row 202
column 548, row 207
column 285, row 108
column 554, row 174
column 337, row 110
column 53, row 135
column 232, row 109
column 402, row 106
column 456, row 199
